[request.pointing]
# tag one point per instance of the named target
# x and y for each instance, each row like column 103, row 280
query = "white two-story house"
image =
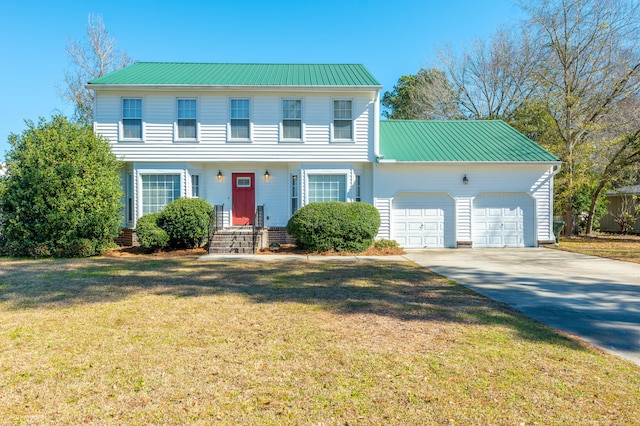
column 275, row 137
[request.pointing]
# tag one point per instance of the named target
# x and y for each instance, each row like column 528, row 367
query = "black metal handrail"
column 258, row 223
column 216, row 220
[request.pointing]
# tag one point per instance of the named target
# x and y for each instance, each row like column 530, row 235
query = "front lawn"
column 611, row 246
column 148, row 340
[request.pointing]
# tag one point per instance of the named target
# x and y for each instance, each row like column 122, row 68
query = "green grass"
column 139, row 341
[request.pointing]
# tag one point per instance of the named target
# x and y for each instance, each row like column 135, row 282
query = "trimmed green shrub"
column 150, row 235
column 335, row 226
column 385, row 244
column 61, row 195
column 186, row 220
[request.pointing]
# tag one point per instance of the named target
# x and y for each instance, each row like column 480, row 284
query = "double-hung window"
column 187, row 119
column 327, row 188
column 240, row 121
column 292, row 119
column 132, row 118
column 342, row 120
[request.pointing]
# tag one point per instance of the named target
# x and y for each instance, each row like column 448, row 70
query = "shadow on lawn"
column 399, row 290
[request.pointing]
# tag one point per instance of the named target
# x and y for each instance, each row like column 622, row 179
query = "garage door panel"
column 503, row 220
column 423, row 220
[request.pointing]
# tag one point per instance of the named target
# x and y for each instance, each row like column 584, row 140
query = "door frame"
column 235, row 189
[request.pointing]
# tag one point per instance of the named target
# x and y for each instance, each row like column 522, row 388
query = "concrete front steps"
column 237, row 240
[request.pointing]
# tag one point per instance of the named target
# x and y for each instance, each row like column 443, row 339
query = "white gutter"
column 376, row 127
column 461, row 163
column 212, row 87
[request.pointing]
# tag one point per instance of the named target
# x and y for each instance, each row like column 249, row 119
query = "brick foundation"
column 278, row 234
column 127, row 238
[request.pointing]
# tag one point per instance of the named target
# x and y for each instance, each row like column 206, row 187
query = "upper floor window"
column 342, row 120
column 292, row 119
column 186, row 119
column 240, row 119
column 132, row 118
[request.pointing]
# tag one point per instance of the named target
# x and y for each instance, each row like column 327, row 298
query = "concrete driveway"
column 594, row 298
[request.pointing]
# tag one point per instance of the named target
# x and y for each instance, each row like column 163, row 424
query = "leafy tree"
column 90, row 59
column 427, row 95
column 61, row 196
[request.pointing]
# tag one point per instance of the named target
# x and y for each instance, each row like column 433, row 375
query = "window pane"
column 132, row 108
column 342, row 129
column 186, row 129
column 195, row 186
column 187, row 108
column 158, row 191
column 239, row 129
column 240, row 108
column 292, row 109
column 292, row 129
column 327, row 188
column 132, row 128
column 342, row 109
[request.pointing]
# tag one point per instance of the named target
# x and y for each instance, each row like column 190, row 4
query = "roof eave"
column 261, row 87
column 462, row 162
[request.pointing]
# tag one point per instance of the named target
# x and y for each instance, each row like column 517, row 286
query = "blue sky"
column 391, row 38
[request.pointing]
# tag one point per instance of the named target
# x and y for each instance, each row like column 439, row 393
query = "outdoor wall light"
column 266, row 175
column 219, row 175
column 465, row 179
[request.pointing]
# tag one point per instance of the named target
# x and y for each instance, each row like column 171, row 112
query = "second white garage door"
column 503, row 220
column 423, row 220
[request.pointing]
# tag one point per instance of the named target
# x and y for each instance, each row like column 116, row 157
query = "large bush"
column 61, row 195
column 150, row 235
column 186, row 220
column 335, row 226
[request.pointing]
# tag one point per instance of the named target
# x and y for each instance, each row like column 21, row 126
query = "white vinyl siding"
column 158, row 190
column 132, row 118
column 187, row 119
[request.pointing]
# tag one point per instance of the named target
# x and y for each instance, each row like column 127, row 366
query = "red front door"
column 243, row 198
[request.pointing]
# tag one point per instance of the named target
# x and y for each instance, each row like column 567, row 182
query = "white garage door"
column 423, row 220
column 503, row 220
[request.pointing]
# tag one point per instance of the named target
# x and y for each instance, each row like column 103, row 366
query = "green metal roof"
column 172, row 73
column 464, row 140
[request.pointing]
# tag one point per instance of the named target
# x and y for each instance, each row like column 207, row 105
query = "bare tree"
column 590, row 63
column 90, row 59
column 492, row 78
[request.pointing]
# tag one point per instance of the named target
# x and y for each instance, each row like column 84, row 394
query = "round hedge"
column 186, row 220
column 150, row 236
column 335, row 226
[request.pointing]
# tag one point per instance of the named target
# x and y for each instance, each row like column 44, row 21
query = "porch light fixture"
column 219, row 175
column 465, row 179
column 266, row 175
